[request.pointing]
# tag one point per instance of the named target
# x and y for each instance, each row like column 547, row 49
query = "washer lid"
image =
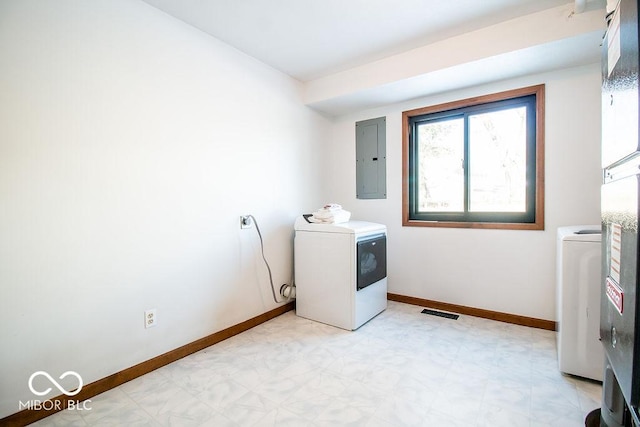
column 351, row 227
column 580, row 233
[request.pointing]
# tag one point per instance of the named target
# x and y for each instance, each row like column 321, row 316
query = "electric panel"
column 371, row 159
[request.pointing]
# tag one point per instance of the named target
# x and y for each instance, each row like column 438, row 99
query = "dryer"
column 340, row 272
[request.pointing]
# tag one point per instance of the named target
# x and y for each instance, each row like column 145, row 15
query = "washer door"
column 372, row 260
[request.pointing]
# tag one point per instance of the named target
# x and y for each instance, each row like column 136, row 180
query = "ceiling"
column 317, row 40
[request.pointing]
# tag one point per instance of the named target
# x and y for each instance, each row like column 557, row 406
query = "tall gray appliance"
column 619, row 314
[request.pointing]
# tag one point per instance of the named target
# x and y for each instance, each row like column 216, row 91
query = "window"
column 476, row 163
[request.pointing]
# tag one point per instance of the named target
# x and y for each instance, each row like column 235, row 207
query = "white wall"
column 130, row 143
column 501, row 270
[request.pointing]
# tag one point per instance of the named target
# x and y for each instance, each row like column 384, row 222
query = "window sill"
column 482, row 225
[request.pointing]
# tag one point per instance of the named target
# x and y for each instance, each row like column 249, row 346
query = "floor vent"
column 441, row 314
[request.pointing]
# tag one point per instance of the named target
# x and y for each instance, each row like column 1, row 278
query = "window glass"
column 498, row 161
column 440, row 172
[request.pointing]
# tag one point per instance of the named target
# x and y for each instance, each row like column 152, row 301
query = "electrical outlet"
column 246, row 221
column 150, row 318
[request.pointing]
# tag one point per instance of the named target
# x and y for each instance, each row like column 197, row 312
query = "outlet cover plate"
column 150, row 318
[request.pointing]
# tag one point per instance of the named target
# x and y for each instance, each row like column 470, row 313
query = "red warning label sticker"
column 615, row 295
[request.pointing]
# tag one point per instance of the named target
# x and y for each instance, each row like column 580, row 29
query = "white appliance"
column 340, row 272
column 578, row 301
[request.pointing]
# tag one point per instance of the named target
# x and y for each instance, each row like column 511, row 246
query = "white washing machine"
column 340, row 272
column 580, row 351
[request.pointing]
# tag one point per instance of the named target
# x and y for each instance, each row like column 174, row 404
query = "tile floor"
column 403, row 368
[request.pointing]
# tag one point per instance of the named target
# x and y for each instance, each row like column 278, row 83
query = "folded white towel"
column 327, row 210
column 325, row 214
column 341, row 216
column 317, row 220
column 332, row 207
column 335, row 217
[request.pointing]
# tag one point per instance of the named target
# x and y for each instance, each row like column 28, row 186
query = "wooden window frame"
column 538, row 222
